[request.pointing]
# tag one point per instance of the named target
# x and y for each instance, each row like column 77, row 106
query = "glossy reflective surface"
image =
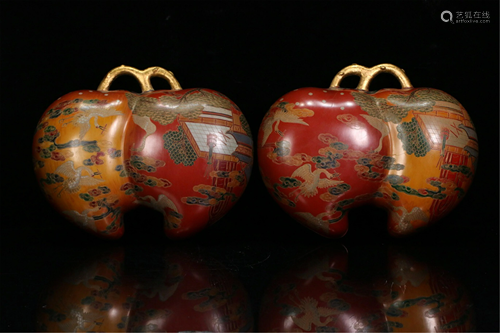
column 323, row 152
column 251, row 283
column 186, row 153
column 173, row 289
column 325, row 292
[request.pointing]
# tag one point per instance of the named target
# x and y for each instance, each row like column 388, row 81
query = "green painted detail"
column 395, row 309
column 379, row 108
column 422, row 193
column 87, row 300
column 180, row 149
column 413, row 138
column 458, row 168
column 391, row 324
column 245, row 125
column 429, row 95
column 421, row 100
column 288, row 182
column 86, row 197
column 455, row 323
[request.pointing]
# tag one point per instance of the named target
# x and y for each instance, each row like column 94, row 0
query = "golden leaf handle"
column 367, row 74
column 142, row 76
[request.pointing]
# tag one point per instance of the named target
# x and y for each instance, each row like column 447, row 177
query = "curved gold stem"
column 367, row 74
column 142, row 76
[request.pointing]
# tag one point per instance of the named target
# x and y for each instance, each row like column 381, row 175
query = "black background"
column 253, row 52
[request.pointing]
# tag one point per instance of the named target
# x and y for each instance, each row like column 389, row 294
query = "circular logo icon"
column 447, row 16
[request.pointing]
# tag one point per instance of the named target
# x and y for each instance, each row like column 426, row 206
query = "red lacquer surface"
column 322, row 152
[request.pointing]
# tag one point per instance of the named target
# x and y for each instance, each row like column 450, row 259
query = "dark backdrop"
column 253, row 52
